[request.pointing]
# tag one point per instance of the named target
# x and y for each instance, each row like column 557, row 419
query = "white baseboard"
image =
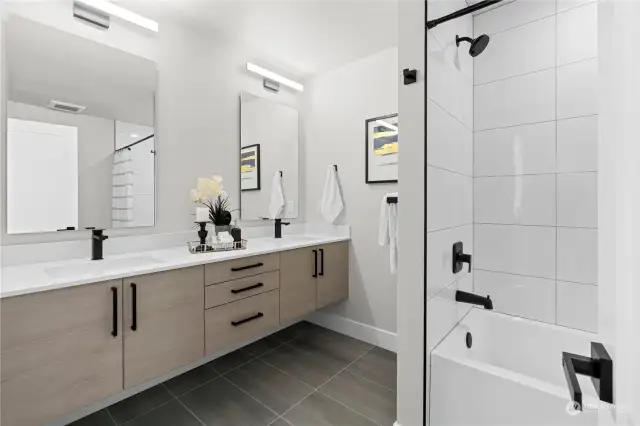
column 357, row 330
column 396, row 424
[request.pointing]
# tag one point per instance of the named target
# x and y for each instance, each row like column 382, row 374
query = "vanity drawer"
column 231, row 291
column 233, row 269
column 240, row 321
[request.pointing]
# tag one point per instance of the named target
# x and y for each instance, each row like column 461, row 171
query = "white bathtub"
column 511, row 376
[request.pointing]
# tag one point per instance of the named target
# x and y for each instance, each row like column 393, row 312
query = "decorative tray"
column 196, row 247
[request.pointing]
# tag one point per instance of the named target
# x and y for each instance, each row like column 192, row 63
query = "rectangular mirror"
column 268, row 146
column 80, row 132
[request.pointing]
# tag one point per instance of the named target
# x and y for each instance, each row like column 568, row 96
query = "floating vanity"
column 77, row 332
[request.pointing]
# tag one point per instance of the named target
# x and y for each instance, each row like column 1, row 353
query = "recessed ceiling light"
column 273, row 76
column 134, row 135
column 122, row 13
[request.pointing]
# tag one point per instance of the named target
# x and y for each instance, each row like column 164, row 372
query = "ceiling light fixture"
column 273, row 76
column 387, row 125
column 122, row 13
column 134, row 135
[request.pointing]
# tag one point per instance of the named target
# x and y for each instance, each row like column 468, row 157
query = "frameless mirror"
column 268, row 153
column 80, row 134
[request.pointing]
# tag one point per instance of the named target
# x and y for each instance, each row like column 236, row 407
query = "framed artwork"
column 381, row 155
column 250, row 168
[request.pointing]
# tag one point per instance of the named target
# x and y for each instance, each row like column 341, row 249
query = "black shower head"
column 477, row 46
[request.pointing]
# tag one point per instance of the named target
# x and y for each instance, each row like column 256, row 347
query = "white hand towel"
column 331, row 204
column 388, row 229
column 276, row 203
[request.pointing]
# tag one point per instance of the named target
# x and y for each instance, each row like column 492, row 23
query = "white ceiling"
column 45, row 63
column 308, row 36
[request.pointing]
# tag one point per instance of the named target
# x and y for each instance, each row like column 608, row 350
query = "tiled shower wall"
column 449, row 168
column 535, row 161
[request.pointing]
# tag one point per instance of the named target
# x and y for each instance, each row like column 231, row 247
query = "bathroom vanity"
column 76, row 339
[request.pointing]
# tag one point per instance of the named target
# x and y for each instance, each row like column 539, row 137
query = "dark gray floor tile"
column 312, row 368
column 343, row 348
column 281, row 422
column 263, row 345
column 220, row 403
column 378, row 365
column 375, row 402
column 139, row 404
column 230, row 361
column 191, row 379
column 100, row 418
column 269, row 385
column 296, row 330
column 170, row 414
column 319, row 410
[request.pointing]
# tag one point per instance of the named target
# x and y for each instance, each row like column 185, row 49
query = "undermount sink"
column 100, row 266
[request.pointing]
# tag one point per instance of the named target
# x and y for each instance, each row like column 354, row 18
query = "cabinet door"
column 297, row 283
column 333, row 277
column 61, row 350
column 163, row 323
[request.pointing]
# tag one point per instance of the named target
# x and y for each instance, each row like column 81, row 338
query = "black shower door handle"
column 599, row 367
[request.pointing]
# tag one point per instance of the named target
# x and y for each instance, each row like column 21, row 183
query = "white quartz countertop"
column 37, row 277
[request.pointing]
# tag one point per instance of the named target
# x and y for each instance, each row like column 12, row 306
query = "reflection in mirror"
column 80, row 132
column 269, row 147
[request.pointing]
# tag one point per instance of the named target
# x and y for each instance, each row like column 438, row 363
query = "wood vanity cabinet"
column 312, row 278
column 163, row 323
column 60, row 350
column 333, row 274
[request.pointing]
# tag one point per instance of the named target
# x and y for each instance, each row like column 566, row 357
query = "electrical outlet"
column 290, row 206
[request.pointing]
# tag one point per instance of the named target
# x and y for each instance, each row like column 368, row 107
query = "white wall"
column 337, row 103
column 200, row 77
column 94, row 161
column 535, row 161
column 449, row 170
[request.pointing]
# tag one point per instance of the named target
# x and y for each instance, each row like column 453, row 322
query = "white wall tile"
column 519, row 100
column 443, row 312
column 578, row 306
column 578, row 200
column 578, row 34
column 528, row 149
column 446, row 85
column 524, row 200
column 562, row 5
column 449, row 199
column 512, row 15
column 449, row 142
column 578, row 89
column 440, row 254
column 578, row 144
column 446, row 33
column 578, row 255
column 528, row 297
column 518, row 51
column 523, row 250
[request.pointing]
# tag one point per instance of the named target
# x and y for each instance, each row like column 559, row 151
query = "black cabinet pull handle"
column 114, row 293
column 599, row 367
column 321, row 262
column 251, row 287
column 315, row 270
column 251, row 318
column 242, row 268
column 134, row 306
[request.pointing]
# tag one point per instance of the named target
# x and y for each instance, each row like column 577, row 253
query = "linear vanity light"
column 387, row 125
column 122, row 13
column 273, row 76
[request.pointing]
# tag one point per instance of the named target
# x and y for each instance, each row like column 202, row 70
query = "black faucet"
column 278, row 229
column 97, row 238
column 474, row 299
